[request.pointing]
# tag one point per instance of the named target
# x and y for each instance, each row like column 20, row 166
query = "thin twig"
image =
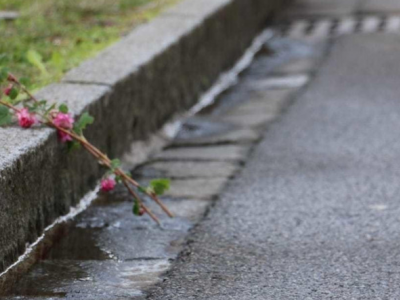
column 151, row 195
column 147, row 210
column 9, row 105
column 100, row 156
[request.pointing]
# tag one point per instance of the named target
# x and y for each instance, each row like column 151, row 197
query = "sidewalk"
column 316, row 212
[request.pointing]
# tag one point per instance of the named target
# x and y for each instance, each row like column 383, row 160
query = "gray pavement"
column 316, row 212
column 340, row 8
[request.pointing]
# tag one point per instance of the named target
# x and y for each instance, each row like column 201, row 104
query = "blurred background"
column 42, row 39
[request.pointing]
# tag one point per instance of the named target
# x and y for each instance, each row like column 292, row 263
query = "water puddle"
column 199, row 127
column 89, row 279
column 105, row 254
column 79, row 244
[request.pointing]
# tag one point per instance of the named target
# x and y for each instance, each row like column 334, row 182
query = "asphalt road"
column 316, row 212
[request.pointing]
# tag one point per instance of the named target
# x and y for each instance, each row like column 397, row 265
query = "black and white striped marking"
column 331, row 27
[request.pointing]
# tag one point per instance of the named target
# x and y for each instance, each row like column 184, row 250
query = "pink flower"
column 108, row 184
column 63, row 137
column 25, row 118
column 64, row 121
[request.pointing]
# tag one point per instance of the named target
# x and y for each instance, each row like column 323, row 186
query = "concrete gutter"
column 132, row 89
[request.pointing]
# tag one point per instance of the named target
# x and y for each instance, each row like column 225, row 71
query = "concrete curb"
column 188, row 45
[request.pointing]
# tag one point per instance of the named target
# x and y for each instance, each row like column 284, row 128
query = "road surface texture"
column 315, row 214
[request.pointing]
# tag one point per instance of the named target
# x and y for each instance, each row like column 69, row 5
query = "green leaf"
column 73, row 145
column 118, row 179
column 136, row 208
column 115, row 163
column 159, row 186
column 83, row 121
column 63, row 108
column 13, row 93
column 36, row 60
column 5, row 116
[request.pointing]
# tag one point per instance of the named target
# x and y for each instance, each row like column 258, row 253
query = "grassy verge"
column 52, row 36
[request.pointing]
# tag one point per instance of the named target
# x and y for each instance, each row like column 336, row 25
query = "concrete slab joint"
column 132, row 89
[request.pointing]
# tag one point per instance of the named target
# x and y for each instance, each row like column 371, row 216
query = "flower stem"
column 22, row 87
column 140, row 202
column 9, row 105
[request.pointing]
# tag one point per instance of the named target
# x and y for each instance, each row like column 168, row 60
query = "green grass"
column 52, row 36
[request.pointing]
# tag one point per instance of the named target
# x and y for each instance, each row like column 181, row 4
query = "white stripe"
column 346, row 25
column 298, row 29
column 370, row 24
column 321, row 28
column 291, row 81
column 392, row 24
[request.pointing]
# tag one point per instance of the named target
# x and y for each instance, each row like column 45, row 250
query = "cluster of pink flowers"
column 64, row 121
column 22, row 106
column 27, row 119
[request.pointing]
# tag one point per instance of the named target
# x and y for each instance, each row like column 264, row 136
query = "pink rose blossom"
column 64, row 121
column 25, row 118
column 108, row 184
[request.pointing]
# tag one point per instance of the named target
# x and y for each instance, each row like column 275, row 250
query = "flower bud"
column 8, row 89
column 141, row 211
column 11, row 78
column 108, row 184
column 25, row 118
column 64, row 121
